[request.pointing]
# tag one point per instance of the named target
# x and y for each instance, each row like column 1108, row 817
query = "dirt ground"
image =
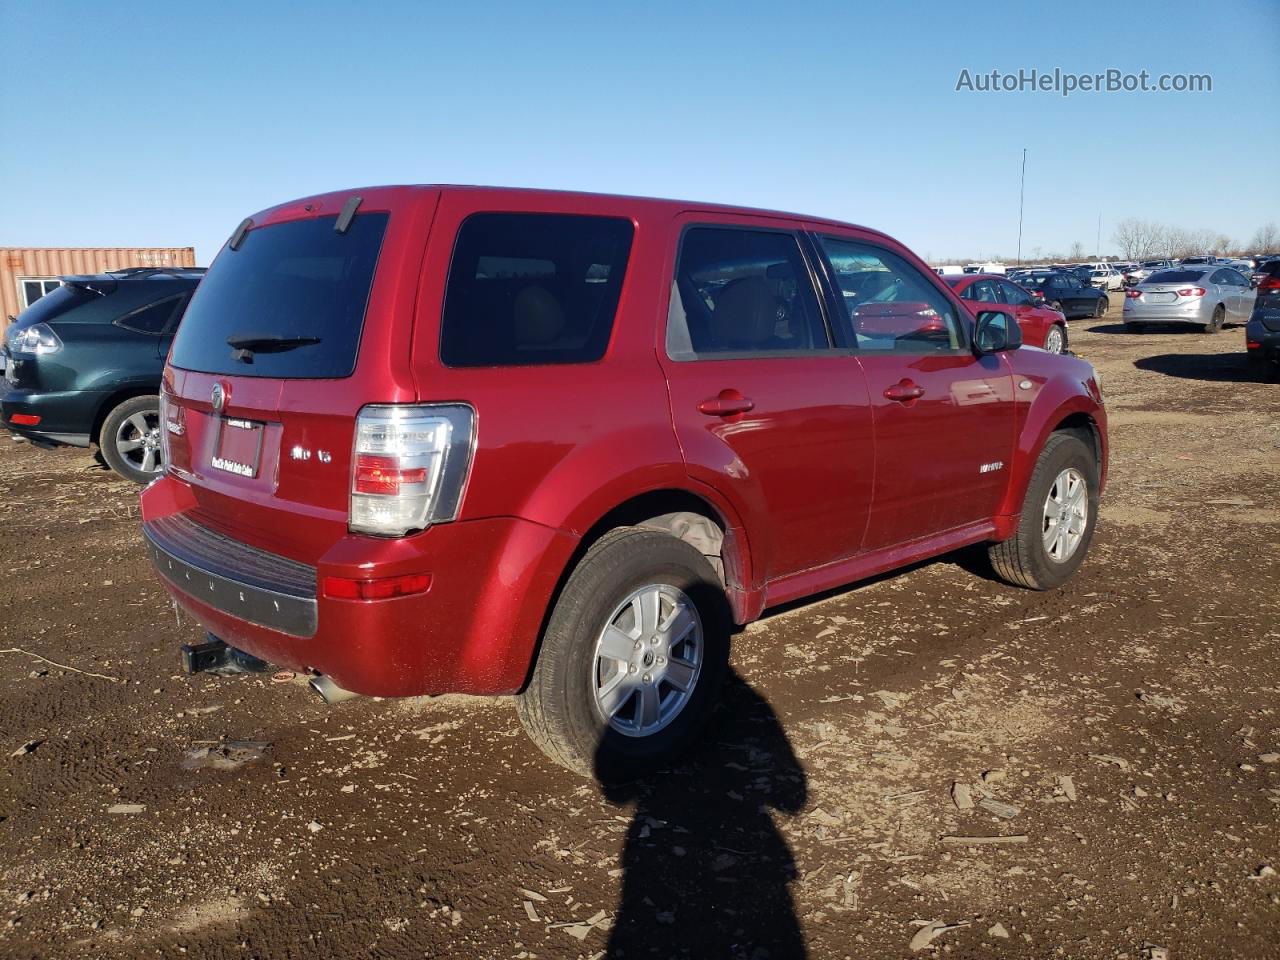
column 1126, row 727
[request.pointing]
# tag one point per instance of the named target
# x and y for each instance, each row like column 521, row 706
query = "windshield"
column 293, row 297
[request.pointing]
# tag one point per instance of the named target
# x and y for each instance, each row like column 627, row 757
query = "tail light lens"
column 1191, row 292
column 1269, row 283
column 38, row 338
column 383, row 588
column 172, row 421
column 409, row 467
column 1133, row 294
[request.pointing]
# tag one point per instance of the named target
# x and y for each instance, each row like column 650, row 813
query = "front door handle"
column 904, row 391
column 725, row 404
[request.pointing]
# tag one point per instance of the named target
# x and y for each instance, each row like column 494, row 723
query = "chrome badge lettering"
column 991, row 467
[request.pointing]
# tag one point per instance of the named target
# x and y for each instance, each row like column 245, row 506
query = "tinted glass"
column 1014, row 295
column 531, row 288
column 984, row 291
column 892, row 306
column 742, row 291
column 302, row 280
column 152, row 319
column 1176, row 276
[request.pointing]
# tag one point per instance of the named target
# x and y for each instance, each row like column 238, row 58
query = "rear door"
column 764, row 403
column 944, row 418
column 1032, row 320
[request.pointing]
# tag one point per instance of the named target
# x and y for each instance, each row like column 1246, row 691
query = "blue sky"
column 156, row 124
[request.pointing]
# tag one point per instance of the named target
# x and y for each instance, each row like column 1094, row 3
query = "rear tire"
column 1104, row 304
column 1218, row 319
column 129, row 439
column 1025, row 559
column 576, row 677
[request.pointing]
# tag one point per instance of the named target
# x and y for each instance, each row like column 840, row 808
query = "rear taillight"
column 172, row 421
column 409, row 466
column 1269, row 283
column 1191, row 292
column 1133, row 294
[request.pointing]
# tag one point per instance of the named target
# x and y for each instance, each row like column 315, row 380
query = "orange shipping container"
column 27, row 273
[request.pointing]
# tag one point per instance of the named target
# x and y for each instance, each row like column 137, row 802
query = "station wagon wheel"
column 632, row 657
column 129, row 439
column 1055, row 341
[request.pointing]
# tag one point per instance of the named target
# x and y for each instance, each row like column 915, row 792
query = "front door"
column 944, row 418
column 764, row 406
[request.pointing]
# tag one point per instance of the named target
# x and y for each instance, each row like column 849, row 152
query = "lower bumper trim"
column 286, row 609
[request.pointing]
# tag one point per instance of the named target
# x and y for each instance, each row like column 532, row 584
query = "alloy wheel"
column 137, row 440
column 1066, row 515
column 647, row 660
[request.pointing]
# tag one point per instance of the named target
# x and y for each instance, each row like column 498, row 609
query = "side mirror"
column 995, row 331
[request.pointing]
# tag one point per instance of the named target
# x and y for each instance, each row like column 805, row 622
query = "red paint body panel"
column 823, row 481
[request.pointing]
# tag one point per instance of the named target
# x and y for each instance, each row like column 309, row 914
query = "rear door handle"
column 904, row 391
column 725, row 404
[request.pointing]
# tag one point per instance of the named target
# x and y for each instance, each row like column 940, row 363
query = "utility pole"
column 1022, row 191
column 1097, row 244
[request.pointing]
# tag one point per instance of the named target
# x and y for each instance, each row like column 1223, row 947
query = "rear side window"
column 742, row 292
column 56, row 303
column 155, row 318
column 533, row 288
column 293, row 295
column 1176, row 276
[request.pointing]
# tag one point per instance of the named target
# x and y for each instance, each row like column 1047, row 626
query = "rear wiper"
column 247, row 344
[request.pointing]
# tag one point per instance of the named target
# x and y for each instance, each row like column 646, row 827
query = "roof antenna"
column 347, row 215
column 237, row 238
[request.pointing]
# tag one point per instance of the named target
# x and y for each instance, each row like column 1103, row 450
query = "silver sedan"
column 1207, row 296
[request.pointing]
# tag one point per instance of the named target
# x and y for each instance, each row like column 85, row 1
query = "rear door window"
column 293, row 295
column 742, row 292
column 533, row 288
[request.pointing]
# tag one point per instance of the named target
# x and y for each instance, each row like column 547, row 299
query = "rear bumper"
column 1262, row 344
column 1197, row 313
column 65, row 416
column 473, row 631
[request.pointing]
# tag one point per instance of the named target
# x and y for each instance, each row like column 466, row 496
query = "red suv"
column 426, row 439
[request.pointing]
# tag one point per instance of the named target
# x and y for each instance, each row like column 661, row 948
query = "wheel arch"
column 114, row 399
column 1076, row 414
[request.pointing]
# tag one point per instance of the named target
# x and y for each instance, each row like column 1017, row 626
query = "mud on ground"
column 1127, row 726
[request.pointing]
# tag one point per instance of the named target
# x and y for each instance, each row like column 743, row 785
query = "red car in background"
column 1041, row 326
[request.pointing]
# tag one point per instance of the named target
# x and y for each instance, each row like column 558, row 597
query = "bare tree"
column 1137, row 239
column 1266, row 240
column 1077, row 251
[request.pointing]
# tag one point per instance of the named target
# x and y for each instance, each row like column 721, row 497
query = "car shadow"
column 706, row 871
column 1154, row 327
column 1207, row 367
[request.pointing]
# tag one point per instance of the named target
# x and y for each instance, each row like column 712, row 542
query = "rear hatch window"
column 288, row 304
column 1176, row 276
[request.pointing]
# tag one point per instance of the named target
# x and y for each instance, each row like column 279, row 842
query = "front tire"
column 632, row 658
column 1058, row 517
column 130, row 439
column 1055, row 339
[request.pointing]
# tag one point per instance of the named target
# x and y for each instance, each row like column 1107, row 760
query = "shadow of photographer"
column 706, row 871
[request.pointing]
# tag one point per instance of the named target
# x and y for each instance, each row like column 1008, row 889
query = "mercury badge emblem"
column 219, row 397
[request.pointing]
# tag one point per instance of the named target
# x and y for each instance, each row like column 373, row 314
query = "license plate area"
column 1161, row 297
column 237, row 448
